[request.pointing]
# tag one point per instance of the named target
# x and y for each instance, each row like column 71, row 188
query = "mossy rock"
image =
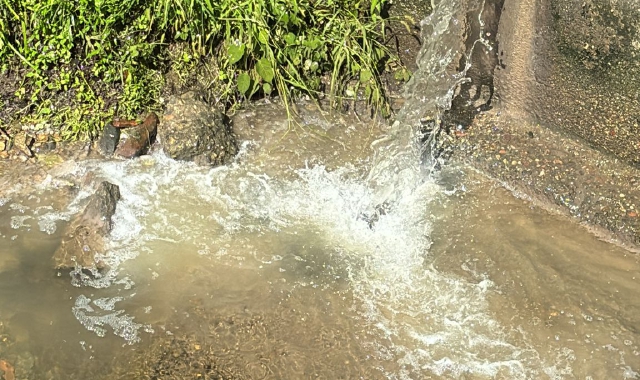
column 192, row 130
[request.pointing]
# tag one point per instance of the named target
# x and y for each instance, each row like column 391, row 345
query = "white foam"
column 48, row 223
column 120, row 323
column 436, row 323
column 19, row 221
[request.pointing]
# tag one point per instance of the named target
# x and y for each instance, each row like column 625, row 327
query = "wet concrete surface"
column 574, row 66
column 558, row 171
column 562, row 127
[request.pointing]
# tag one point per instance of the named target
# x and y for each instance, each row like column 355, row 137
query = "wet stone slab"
column 556, row 170
column 565, row 82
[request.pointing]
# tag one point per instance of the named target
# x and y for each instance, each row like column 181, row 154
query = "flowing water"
column 325, row 251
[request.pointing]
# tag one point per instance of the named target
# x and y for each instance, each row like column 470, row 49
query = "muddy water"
column 323, row 251
column 570, row 295
column 280, row 266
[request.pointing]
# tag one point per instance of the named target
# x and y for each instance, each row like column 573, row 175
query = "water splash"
column 399, row 161
column 375, row 227
column 424, row 321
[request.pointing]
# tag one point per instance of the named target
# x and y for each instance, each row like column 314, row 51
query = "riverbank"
column 94, row 62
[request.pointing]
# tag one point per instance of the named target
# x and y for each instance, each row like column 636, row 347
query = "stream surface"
column 326, row 250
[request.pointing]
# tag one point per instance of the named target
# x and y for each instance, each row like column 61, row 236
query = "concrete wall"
column 574, row 65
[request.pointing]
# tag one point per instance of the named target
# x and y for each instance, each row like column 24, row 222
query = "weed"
column 83, row 61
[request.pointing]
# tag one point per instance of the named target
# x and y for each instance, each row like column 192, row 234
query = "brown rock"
column 137, row 140
column 7, row 368
column 193, row 131
column 84, row 237
column 22, row 142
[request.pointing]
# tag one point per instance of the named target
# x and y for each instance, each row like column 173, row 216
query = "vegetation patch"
column 71, row 65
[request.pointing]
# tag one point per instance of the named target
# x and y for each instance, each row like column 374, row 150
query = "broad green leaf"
column 266, row 87
column 265, row 70
column 375, row 5
column 235, row 53
column 313, row 43
column 402, row 74
column 290, row 38
column 244, row 83
column 365, row 75
column 263, row 37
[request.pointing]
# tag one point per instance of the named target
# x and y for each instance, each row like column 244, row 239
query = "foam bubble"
column 120, row 323
column 18, row 221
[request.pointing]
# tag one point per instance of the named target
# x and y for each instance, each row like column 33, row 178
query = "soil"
column 9, row 84
column 403, row 38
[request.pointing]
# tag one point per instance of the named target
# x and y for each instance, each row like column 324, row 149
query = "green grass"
column 81, row 62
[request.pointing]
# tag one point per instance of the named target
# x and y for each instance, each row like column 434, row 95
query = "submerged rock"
column 193, row 131
column 177, row 357
column 84, row 237
column 138, row 139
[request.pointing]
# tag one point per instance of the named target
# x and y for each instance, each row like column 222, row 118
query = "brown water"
column 276, row 268
column 570, row 294
column 324, row 251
